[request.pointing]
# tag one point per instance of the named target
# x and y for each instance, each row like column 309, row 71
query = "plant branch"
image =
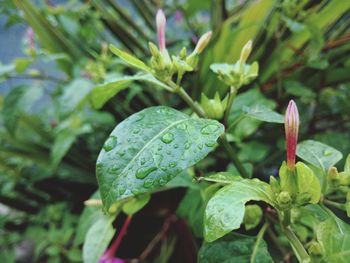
column 231, row 96
column 259, row 237
column 298, row 248
column 334, row 204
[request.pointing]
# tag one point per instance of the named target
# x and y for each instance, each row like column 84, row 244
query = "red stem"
column 113, row 249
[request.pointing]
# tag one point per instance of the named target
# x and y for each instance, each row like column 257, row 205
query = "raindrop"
column 327, row 152
column 142, row 173
column 167, row 138
column 135, row 191
column 200, row 146
column 176, row 146
column 121, row 190
column 136, row 131
column 182, row 126
column 110, row 143
column 210, row 144
column 172, row 164
column 139, row 117
column 209, row 129
column 148, row 183
column 187, row 145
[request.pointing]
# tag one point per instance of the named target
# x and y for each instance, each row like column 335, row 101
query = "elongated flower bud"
column 161, row 22
column 246, row 51
column 203, row 42
column 291, row 126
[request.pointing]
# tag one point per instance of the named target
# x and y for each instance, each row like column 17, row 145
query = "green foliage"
column 171, row 142
column 233, row 248
column 225, row 210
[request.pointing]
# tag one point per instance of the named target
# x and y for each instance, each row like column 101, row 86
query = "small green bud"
column 316, row 250
column 333, row 175
column 246, row 51
column 153, row 49
column 214, row 108
column 284, row 199
column 183, row 53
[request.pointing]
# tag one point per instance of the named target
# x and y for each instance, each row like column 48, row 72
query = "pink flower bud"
column 291, row 126
column 161, row 22
column 203, row 42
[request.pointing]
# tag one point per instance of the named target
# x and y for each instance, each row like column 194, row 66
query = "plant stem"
column 299, row 249
column 113, row 249
column 259, row 237
column 231, row 96
column 222, row 140
column 334, row 204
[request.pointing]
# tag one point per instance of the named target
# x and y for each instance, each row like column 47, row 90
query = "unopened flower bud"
column 246, row 51
column 291, row 126
column 284, row 198
column 161, row 22
column 333, row 174
column 153, row 49
column 183, row 53
column 203, row 42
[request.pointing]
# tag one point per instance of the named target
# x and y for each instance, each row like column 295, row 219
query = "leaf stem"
column 334, row 204
column 231, row 96
column 113, row 249
column 259, row 237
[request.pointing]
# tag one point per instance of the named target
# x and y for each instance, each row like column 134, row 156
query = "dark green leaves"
column 225, row 211
column 318, row 154
column 149, row 149
column 234, row 248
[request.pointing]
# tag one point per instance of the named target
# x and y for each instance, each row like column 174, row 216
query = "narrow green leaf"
column 225, row 211
column 102, row 93
column 234, row 248
column 318, row 154
column 97, row 239
column 129, row 59
column 149, row 149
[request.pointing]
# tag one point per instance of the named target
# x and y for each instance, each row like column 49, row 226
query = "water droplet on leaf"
column 142, row 173
column 209, row 129
column 110, row 143
column 167, row 138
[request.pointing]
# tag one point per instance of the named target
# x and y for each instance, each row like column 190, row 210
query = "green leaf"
column 90, row 215
column 334, row 235
column 149, row 149
column 97, row 239
column 252, row 216
column 263, row 113
column 318, row 154
column 307, row 182
column 104, row 92
column 74, row 95
column 136, row 204
column 20, row 99
column 225, row 211
column 129, row 59
column 234, row 248
column 21, row 64
column 61, row 145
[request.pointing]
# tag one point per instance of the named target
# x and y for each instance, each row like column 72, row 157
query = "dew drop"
column 121, row 190
column 148, row 183
column 210, row 144
column 139, row 117
column 142, row 173
column 135, row 191
column 136, row 131
column 209, row 129
column 167, row 138
column 200, row 146
column 176, row 146
column 110, row 143
column 327, row 152
column 172, row 164
column 187, row 145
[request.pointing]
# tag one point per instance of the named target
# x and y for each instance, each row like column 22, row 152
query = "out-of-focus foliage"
column 53, row 125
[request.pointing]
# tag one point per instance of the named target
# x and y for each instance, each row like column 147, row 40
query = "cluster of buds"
column 164, row 66
column 240, row 73
column 214, row 108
